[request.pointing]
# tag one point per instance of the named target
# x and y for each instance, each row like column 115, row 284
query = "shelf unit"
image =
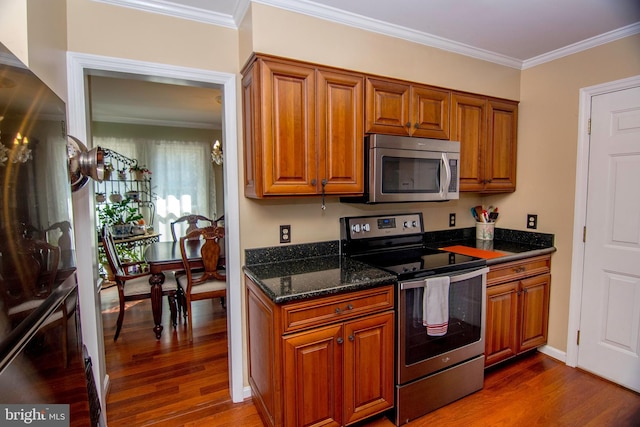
column 137, row 188
column 121, row 181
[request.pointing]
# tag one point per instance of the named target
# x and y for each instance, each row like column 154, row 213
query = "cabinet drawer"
column 516, row 270
column 310, row 313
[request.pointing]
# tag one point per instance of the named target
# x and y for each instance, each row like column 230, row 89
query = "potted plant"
column 122, row 174
column 108, row 168
column 139, row 171
column 119, row 216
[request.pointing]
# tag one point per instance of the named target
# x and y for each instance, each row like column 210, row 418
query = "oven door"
column 397, row 175
column 420, row 354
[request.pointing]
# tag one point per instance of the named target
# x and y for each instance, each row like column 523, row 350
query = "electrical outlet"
column 452, row 220
column 285, row 234
column 532, row 221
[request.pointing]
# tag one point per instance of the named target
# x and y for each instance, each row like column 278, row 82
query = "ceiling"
column 519, row 34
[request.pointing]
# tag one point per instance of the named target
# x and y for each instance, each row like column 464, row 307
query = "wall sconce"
column 216, row 153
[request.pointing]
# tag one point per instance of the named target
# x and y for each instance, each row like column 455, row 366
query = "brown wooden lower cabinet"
column 517, row 307
column 336, row 372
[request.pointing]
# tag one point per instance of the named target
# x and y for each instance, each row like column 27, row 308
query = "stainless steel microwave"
column 406, row 169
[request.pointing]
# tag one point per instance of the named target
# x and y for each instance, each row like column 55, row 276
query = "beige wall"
column 547, row 154
column 35, row 32
column 288, row 34
column 101, row 29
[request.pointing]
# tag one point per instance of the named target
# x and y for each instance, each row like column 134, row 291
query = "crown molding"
column 589, row 43
column 347, row 18
column 171, row 9
column 307, row 7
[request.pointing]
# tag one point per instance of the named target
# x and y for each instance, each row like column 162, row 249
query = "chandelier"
column 216, row 153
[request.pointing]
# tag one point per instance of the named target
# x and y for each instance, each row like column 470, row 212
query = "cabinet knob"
column 417, row 126
column 408, row 125
column 349, row 307
column 340, row 340
column 313, row 181
column 351, row 338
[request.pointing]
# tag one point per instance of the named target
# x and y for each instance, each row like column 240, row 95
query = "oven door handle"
column 455, row 278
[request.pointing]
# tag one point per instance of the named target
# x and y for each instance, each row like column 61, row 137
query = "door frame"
column 580, row 207
column 79, row 65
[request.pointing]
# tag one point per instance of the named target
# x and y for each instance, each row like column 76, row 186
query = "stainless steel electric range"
column 440, row 310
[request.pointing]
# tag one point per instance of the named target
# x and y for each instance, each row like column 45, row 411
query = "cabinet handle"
column 324, row 183
column 351, row 338
column 349, row 307
column 408, row 125
column 417, row 126
column 519, row 269
column 338, row 310
column 313, row 182
column 340, row 340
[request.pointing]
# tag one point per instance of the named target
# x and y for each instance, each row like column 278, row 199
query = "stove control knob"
column 355, row 228
column 366, row 227
column 408, row 224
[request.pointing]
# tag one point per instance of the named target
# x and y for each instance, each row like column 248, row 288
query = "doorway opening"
column 80, row 66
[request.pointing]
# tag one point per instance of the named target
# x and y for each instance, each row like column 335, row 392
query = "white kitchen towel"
column 435, row 306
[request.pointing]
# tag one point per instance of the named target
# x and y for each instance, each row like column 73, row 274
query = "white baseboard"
column 553, row 352
column 246, row 392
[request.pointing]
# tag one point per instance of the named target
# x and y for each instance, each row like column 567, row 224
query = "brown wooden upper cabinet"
column 487, row 130
column 303, row 129
column 401, row 108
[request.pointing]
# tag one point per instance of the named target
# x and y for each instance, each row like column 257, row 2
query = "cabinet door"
column 468, row 125
column 387, row 107
column 429, row 112
column 313, row 377
column 252, row 135
column 501, row 324
column 368, row 366
column 534, row 309
column 340, row 134
column 288, row 128
column 500, row 162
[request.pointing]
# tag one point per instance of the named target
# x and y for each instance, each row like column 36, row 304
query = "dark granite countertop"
column 514, row 244
column 295, row 272
column 315, row 276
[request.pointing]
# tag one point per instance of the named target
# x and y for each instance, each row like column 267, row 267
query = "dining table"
column 166, row 256
column 162, row 257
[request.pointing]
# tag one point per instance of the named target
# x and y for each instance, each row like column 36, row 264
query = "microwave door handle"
column 447, row 171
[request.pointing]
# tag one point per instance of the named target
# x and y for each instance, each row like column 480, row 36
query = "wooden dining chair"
column 205, row 282
column 133, row 283
column 191, row 222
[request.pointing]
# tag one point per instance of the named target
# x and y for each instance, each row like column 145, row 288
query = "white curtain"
column 182, row 178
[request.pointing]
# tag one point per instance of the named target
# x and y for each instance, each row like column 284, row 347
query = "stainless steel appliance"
column 405, row 169
column 41, row 358
column 431, row 370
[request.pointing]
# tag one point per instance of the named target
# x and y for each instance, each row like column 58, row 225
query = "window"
column 182, row 178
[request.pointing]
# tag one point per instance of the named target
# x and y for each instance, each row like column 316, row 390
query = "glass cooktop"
column 420, row 262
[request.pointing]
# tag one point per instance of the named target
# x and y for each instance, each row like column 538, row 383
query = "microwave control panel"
column 365, row 227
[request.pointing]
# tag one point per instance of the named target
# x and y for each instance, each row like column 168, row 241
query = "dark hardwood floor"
column 169, row 382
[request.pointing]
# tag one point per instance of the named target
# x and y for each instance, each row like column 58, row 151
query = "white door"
column 610, row 313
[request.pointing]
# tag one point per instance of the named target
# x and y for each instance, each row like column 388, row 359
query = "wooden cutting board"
column 478, row 253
